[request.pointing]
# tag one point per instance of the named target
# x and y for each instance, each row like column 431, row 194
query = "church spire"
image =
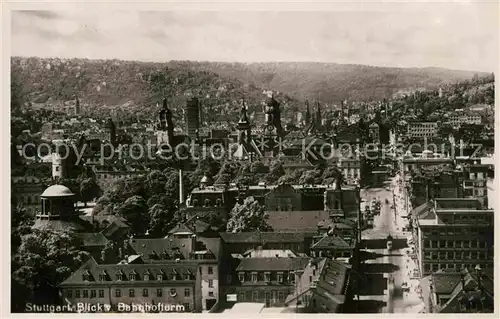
column 308, row 112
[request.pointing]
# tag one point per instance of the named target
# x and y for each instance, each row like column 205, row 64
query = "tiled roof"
column 331, row 242
column 444, row 283
column 266, row 237
column 157, row 249
column 296, row 220
column 272, row 264
column 166, row 269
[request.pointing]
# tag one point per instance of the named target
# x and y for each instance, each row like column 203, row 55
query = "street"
column 387, row 270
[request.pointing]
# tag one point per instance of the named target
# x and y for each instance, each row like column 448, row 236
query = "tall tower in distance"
column 110, row 130
column 192, row 117
column 165, row 134
column 77, row 106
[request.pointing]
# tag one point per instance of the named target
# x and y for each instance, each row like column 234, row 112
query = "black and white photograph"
column 251, row 159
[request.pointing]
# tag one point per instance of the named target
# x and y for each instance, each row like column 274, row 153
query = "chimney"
column 181, row 188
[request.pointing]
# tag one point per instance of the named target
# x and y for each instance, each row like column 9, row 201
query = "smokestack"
column 181, row 188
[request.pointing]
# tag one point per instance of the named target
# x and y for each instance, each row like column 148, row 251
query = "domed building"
column 58, row 210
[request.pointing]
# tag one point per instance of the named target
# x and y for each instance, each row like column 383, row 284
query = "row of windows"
column 146, row 277
column 428, row 267
column 463, row 219
column 454, row 244
column 254, row 296
column 444, row 255
column 266, row 276
column 329, row 253
column 118, row 293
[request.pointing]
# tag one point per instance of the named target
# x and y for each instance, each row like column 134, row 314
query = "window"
column 159, row 277
column 187, row 292
column 69, row 293
column 427, row 243
column 119, row 277
column 241, row 296
column 101, row 293
column 210, row 283
column 458, row 244
column 159, row 292
column 118, row 293
column 92, row 293
column 310, row 278
column 228, row 279
column 291, row 277
column 241, row 276
column 267, row 276
column 281, row 296
column 254, row 277
column 427, row 268
column 210, row 293
column 442, row 243
column 186, row 306
column 131, row 293
column 145, row 292
column 255, row 296
column 102, row 277
column 210, row 270
column 187, row 276
column 280, row 277
column 77, row 294
column 473, row 254
column 85, row 294
column 449, row 243
column 146, row 277
column 173, row 292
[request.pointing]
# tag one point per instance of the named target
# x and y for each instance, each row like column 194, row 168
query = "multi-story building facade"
column 171, row 284
column 27, row 191
column 265, row 279
column 422, row 129
column 453, row 233
column 475, row 178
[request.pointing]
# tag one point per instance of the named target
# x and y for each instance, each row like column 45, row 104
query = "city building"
column 465, row 291
column 26, row 190
column 323, row 286
column 192, row 118
column 422, row 129
column 266, row 276
column 452, row 233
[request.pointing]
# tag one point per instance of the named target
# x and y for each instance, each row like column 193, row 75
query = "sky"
column 456, row 35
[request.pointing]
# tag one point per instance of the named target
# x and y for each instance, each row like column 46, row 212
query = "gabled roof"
column 331, row 242
column 91, row 266
column 162, row 249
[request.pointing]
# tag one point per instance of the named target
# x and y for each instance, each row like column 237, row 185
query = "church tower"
column 308, row 113
column 165, row 134
column 244, row 127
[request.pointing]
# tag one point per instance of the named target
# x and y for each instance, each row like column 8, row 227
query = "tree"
column 88, row 190
column 248, row 216
column 276, row 170
column 332, row 174
column 135, row 210
column 43, row 260
column 162, row 218
column 308, row 177
column 155, row 183
column 103, row 206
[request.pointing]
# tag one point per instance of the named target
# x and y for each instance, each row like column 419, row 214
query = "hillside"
column 335, row 82
column 133, row 87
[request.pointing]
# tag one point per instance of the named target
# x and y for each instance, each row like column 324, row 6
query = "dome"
column 57, row 191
